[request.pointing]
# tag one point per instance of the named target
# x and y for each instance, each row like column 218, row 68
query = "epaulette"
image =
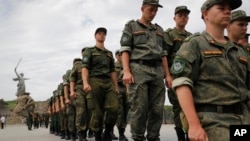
column 130, row 21
column 191, row 36
column 86, row 48
column 168, row 30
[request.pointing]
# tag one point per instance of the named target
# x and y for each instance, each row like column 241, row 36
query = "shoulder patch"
column 178, row 66
column 191, row 36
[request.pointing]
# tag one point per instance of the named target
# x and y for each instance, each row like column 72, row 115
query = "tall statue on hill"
column 20, row 78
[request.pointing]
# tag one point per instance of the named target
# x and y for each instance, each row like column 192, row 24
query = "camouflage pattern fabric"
column 70, row 108
column 217, row 74
column 123, row 100
column 174, row 39
column 102, row 100
column 80, row 102
column 147, row 94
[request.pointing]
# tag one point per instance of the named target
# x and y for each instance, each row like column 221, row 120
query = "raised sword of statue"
column 18, row 63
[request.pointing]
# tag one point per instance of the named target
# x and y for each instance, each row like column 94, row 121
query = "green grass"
column 11, row 104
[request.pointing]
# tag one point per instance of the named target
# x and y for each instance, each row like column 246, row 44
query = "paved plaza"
column 21, row 133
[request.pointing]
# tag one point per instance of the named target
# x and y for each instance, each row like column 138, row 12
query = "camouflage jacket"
column 217, row 73
column 98, row 61
column 174, row 39
column 143, row 42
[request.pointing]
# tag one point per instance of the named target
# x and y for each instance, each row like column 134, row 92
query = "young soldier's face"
column 218, row 14
column 149, row 11
column 181, row 18
column 100, row 36
column 238, row 28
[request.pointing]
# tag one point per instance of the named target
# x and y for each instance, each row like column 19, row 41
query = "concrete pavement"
column 21, row 133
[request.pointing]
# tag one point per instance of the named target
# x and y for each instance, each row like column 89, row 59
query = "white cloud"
column 48, row 34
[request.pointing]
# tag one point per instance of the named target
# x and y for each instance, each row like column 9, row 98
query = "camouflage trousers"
column 55, row 122
column 63, row 120
column 71, row 115
column 123, row 107
column 217, row 125
column 80, row 103
column 146, row 96
column 103, row 103
column 176, row 107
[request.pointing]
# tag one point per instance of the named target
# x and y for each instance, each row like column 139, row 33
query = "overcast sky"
column 49, row 34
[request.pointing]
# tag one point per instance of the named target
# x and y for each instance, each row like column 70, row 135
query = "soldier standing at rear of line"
column 145, row 66
column 174, row 38
column 212, row 77
column 99, row 80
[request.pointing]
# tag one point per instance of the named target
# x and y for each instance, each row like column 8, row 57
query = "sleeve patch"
column 178, row 66
column 85, row 60
column 125, row 39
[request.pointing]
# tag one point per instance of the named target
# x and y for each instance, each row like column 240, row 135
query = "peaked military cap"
column 209, row 3
column 239, row 15
column 181, row 8
column 101, row 29
column 154, row 2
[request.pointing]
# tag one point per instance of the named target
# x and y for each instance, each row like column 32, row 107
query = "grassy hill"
column 11, row 104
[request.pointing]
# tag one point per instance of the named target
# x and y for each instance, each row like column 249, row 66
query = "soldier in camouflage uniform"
column 79, row 96
column 99, row 79
column 62, row 111
column 121, row 122
column 237, row 28
column 70, row 108
column 145, row 66
column 212, row 76
column 174, row 38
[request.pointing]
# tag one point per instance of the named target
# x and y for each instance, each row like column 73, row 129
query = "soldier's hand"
column 168, row 81
column 87, row 88
column 73, row 95
column 127, row 78
column 67, row 101
column 62, row 106
column 197, row 134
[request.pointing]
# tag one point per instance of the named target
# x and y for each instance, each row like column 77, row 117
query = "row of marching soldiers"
column 71, row 107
